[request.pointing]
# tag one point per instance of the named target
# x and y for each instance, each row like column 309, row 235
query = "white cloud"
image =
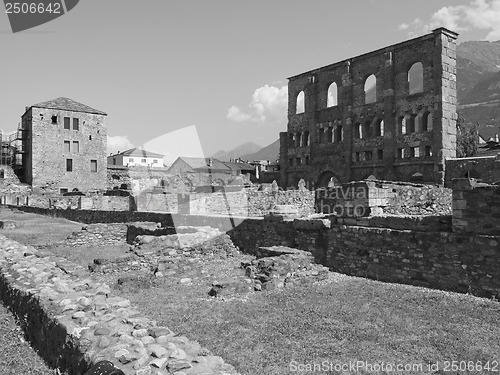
column 478, row 14
column 118, row 143
column 268, row 106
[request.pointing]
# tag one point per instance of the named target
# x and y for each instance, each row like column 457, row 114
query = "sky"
column 193, row 77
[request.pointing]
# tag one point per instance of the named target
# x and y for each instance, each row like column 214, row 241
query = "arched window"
column 371, row 89
column 416, row 78
column 358, row 131
column 306, row 138
column 329, row 135
column 424, row 121
column 410, row 124
column 331, row 100
column 300, row 108
column 402, row 125
column 291, row 140
column 367, row 131
column 430, row 118
column 339, row 134
column 379, row 128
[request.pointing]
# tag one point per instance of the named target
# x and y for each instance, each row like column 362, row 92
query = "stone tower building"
column 62, row 147
column 390, row 114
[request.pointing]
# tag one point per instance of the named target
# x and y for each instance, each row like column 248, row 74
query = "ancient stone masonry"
column 483, row 168
column 390, row 113
column 443, row 260
column 63, row 147
column 377, row 198
column 476, row 207
column 99, row 235
column 74, row 322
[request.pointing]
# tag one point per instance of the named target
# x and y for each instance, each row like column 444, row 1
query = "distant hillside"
column 478, row 82
column 485, row 91
column 245, row 148
column 270, row 153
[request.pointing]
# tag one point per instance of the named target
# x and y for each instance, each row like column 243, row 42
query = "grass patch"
column 16, row 356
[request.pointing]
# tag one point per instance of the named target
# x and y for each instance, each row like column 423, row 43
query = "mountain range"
column 478, row 82
column 478, row 96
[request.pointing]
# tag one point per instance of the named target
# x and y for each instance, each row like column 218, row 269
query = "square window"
column 155, row 161
column 428, row 151
column 130, row 160
column 54, row 119
column 401, row 153
column 93, row 165
column 63, row 190
column 69, row 165
column 143, row 160
column 76, row 146
column 76, row 124
column 67, row 122
column 67, row 146
column 380, row 154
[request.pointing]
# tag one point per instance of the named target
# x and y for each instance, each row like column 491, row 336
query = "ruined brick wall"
column 442, row 260
column 406, row 133
column 46, row 155
column 242, row 203
column 485, row 169
column 375, row 198
column 476, row 207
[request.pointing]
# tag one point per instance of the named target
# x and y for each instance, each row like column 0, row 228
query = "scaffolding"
column 13, row 147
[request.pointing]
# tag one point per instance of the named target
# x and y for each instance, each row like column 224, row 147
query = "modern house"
column 136, row 157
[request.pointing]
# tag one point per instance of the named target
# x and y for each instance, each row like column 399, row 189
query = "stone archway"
column 327, row 178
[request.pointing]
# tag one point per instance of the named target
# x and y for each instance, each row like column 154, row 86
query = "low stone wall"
column 375, row 198
column 484, row 168
column 99, row 235
column 420, row 223
column 476, row 207
column 223, row 223
column 248, row 202
column 442, row 260
column 74, row 322
column 154, row 202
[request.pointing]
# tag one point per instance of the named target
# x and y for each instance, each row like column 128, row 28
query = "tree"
column 467, row 138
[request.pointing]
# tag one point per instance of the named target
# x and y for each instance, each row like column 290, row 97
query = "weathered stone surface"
column 347, row 140
column 112, row 331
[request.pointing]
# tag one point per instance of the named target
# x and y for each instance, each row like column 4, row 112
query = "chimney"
column 209, row 162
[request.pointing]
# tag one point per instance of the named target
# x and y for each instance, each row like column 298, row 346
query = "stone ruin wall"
column 485, row 169
column 476, row 207
column 322, row 141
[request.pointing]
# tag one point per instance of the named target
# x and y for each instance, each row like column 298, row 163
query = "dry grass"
column 16, row 356
column 343, row 319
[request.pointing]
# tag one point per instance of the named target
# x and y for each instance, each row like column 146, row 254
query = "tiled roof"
column 201, row 164
column 140, row 152
column 68, row 104
column 239, row 166
column 488, row 131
